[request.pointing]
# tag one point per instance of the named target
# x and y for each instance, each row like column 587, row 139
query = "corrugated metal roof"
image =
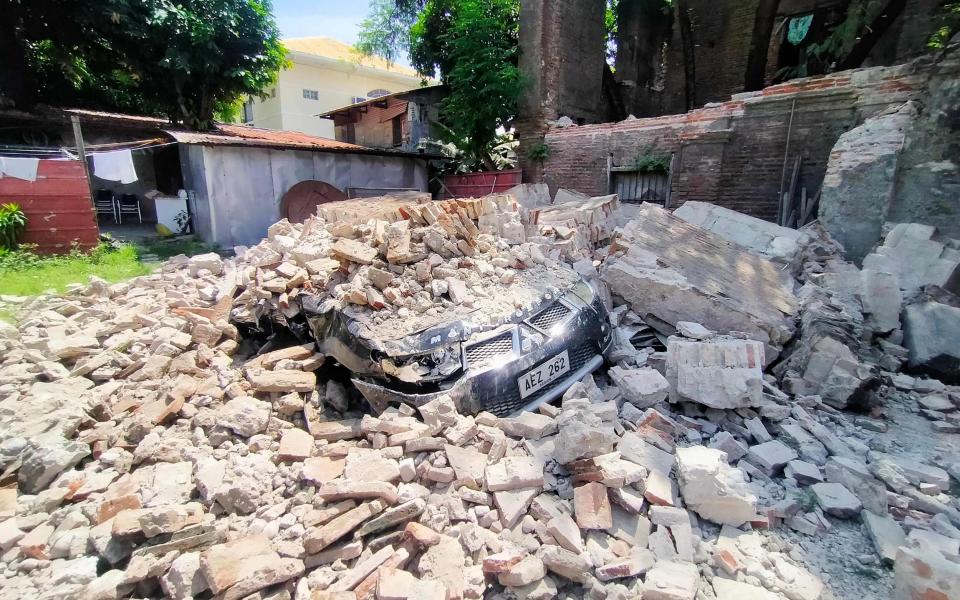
column 329, row 48
column 242, row 135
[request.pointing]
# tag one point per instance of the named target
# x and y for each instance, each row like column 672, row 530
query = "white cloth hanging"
column 21, row 168
column 115, row 166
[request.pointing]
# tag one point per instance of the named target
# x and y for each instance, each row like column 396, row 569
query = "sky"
column 337, row 19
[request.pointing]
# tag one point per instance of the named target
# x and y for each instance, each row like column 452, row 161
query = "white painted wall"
column 336, row 81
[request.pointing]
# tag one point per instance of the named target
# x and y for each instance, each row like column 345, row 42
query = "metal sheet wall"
column 57, row 205
column 239, row 197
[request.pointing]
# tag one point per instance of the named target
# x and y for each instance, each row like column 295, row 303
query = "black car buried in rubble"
column 518, row 362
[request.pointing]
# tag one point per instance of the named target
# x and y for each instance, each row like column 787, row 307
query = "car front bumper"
column 492, row 384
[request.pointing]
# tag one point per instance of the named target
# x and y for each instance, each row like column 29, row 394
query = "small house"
column 227, row 185
column 397, row 121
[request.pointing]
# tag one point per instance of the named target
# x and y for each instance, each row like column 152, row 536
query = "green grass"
column 164, row 249
column 23, row 273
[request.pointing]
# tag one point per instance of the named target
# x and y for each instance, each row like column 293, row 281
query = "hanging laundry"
column 798, row 28
column 115, row 166
column 20, row 168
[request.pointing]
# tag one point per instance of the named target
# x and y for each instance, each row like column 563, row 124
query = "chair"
column 105, row 203
column 129, row 204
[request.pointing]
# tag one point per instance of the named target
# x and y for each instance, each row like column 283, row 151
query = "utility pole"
column 82, row 153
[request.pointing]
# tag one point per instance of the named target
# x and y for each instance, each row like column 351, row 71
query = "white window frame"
column 311, row 94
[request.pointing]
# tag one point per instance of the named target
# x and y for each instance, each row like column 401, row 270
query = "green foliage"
column 499, row 154
column 12, row 224
column 651, row 162
column 610, row 29
column 950, row 24
column 183, row 59
column 822, row 57
column 25, row 273
column 166, row 248
column 386, row 30
column 479, row 65
column 539, row 152
column 472, row 44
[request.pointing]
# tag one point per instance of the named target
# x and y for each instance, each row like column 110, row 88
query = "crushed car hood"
column 396, row 335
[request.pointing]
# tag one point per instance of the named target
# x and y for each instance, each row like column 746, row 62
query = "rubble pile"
column 411, row 264
column 671, row 271
column 149, row 450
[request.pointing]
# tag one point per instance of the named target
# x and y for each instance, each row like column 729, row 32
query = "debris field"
column 741, row 442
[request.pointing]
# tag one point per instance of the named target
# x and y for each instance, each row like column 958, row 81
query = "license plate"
column 539, row 378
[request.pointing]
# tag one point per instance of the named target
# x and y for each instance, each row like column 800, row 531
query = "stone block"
column 712, row 488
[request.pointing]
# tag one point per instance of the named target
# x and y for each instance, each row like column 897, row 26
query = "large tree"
column 470, row 44
column 182, row 59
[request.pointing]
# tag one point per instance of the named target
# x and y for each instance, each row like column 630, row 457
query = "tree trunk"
column 688, row 47
column 643, row 27
column 874, row 32
column 760, row 45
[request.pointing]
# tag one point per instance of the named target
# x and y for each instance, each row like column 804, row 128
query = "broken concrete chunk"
column 836, row 500
column 281, row 381
column 720, row 373
column 525, row 572
column 245, row 416
column 354, row 251
column 565, row 563
column 514, row 472
column 669, row 580
column 920, row 573
column 885, row 533
column 582, row 435
column 712, row 488
column 318, row 538
column 591, row 505
column 295, row 445
column 641, row 387
column 803, row 472
column 674, row 271
column 931, row 331
column 772, row 456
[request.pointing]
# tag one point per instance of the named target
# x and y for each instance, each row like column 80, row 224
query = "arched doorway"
column 302, row 199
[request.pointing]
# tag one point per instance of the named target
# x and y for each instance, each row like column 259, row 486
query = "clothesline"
column 91, row 149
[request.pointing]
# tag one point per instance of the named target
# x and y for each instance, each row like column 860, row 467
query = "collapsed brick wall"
column 732, row 154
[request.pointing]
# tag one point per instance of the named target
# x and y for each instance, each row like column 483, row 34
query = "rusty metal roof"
column 242, row 135
column 224, row 134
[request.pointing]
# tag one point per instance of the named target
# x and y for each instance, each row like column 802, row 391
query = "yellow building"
column 324, row 74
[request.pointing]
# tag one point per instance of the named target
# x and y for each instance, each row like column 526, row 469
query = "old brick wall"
column 562, row 59
column 732, row 153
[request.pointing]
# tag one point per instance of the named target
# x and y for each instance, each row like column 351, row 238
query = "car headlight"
column 437, row 364
column 582, row 291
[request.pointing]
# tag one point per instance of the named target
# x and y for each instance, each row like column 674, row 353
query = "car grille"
column 550, row 316
column 510, row 401
column 487, row 350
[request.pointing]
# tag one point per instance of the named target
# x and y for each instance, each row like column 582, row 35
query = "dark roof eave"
column 369, row 151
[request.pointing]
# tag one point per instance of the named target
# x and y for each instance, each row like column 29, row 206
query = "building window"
column 248, row 111
column 377, row 93
column 311, row 94
column 357, row 99
column 398, row 131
